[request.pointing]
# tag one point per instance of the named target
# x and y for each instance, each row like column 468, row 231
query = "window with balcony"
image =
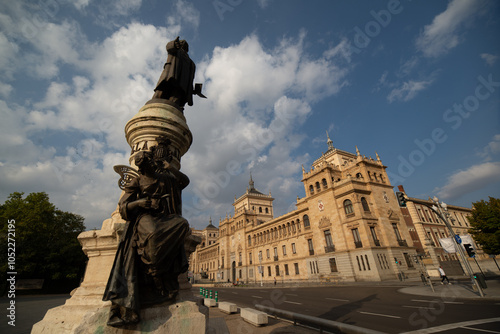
column 311, row 247
column 311, row 189
column 329, row 242
column 374, row 236
column 357, row 238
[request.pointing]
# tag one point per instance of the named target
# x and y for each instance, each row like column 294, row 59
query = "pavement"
column 460, row 288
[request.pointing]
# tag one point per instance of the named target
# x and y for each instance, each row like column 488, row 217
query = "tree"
column 485, row 225
column 46, row 244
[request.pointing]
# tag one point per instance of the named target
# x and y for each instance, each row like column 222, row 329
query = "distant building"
column 348, row 227
column 426, row 229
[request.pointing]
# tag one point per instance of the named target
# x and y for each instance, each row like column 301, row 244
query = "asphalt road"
column 28, row 311
column 381, row 308
column 378, row 308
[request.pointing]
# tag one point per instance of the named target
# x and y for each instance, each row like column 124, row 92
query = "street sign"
column 458, row 239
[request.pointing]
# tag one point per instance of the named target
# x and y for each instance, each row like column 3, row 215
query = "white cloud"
column 443, row 34
column 184, row 13
column 408, row 90
column 489, row 58
column 492, row 149
column 470, row 180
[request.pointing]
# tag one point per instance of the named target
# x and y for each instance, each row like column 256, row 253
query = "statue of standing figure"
column 151, row 253
column 176, row 81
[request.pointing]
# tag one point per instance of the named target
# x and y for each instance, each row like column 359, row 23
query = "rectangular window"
column 286, row 270
column 374, row 235
column 357, row 238
column 396, row 231
column 333, row 265
column 294, row 251
column 284, row 250
column 269, row 271
column 328, row 239
column 277, row 268
column 260, row 255
column 250, row 258
column 296, row 268
column 311, row 247
column 267, row 253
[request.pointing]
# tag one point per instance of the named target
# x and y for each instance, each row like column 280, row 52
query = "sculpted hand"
column 143, row 203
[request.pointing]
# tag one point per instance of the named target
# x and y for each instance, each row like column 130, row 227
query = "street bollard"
column 211, row 294
column 216, row 297
column 201, row 291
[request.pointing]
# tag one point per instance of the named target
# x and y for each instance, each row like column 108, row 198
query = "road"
column 380, row 308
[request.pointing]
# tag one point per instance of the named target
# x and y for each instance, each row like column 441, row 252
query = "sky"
column 417, row 82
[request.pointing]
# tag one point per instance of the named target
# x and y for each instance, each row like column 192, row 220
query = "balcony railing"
column 311, row 252
column 329, row 249
column 402, row 243
column 377, row 243
column 358, row 244
column 275, row 258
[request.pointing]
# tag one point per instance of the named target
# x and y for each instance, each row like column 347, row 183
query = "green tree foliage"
column 485, row 223
column 45, row 239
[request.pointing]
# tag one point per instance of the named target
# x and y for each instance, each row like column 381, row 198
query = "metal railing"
column 358, row 244
column 329, row 249
column 322, row 324
column 403, row 243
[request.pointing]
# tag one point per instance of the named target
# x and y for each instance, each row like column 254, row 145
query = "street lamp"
column 441, row 210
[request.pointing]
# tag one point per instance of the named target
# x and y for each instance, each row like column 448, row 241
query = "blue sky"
column 418, row 82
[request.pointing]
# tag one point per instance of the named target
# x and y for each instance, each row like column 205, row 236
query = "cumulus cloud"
column 491, row 150
column 443, row 34
column 489, row 58
column 408, row 90
column 470, row 180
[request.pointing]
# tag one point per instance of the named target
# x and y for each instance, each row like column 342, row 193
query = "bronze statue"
column 151, row 252
column 176, row 81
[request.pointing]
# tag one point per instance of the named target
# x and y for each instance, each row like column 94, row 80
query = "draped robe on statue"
column 151, row 253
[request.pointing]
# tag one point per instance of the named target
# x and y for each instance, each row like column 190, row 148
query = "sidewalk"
column 460, row 289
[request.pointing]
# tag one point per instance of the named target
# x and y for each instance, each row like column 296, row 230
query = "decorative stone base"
column 187, row 316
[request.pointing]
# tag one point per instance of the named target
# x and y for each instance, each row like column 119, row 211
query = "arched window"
column 364, row 203
column 249, row 241
column 267, row 210
column 318, row 188
column 348, row 207
column 306, row 221
column 279, row 230
column 381, row 178
column 311, row 189
column 260, row 209
column 325, row 185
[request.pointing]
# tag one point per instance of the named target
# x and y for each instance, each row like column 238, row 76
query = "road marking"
column 286, row 301
column 338, row 300
column 435, row 301
column 381, row 315
column 291, row 294
column 453, row 326
column 421, row 307
column 257, row 297
column 478, row 329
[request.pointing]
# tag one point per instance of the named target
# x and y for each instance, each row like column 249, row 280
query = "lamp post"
column 441, row 210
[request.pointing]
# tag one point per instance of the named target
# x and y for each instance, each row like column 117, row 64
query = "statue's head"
column 143, row 160
column 184, row 45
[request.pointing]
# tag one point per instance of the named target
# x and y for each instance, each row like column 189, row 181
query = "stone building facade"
column 347, row 227
column 426, row 228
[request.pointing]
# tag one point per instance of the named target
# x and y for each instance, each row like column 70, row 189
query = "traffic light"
column 470, row 250
column 401, row 199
